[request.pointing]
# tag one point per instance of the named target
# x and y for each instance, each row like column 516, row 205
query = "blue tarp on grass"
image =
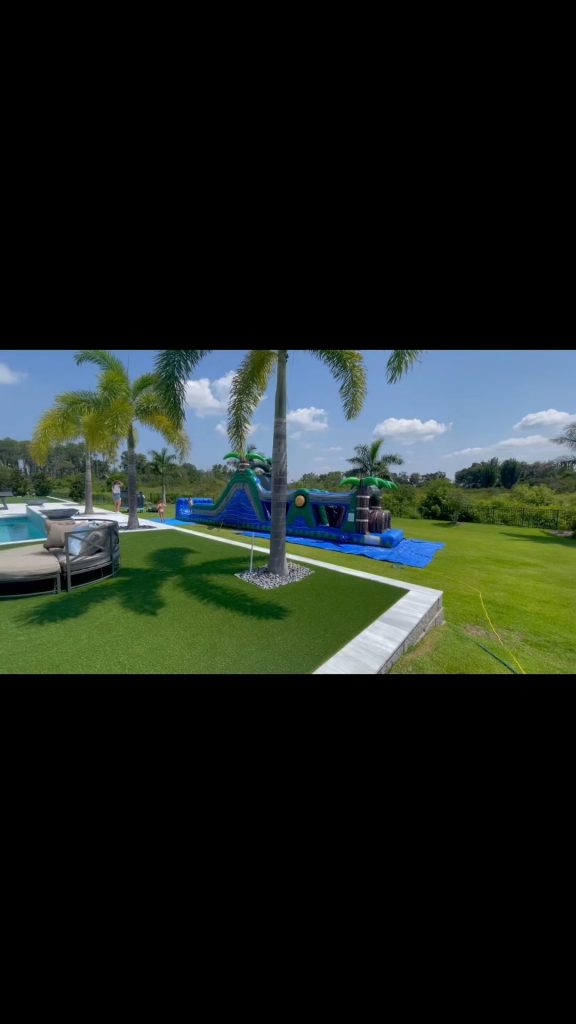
column 415, row 553
column 175, row 522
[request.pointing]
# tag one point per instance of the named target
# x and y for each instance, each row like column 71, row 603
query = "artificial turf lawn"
column 176, row 607
column 526, row 579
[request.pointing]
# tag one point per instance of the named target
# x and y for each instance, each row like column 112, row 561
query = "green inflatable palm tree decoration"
column 367, row 481
column 369, row 463
column 250, row 458
column 174, row 366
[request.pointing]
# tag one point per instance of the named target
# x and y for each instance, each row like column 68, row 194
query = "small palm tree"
column 77, row 415
column 569, row 439
column 163, row 463
column 128, row 402
column 248, row 386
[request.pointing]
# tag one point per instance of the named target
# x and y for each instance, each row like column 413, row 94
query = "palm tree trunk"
column 163, row 489
column 132, row 493
column 277, row 561
column 88, row 499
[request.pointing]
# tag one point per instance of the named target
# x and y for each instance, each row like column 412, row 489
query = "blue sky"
column 453, row 408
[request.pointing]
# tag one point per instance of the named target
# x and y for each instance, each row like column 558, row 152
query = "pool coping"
column 22, row 509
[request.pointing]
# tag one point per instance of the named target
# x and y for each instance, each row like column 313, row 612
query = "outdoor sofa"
column 72, row 555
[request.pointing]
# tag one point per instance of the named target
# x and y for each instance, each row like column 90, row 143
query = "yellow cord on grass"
column 470, row 587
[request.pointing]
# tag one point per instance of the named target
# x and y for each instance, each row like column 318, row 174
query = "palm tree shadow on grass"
column 543, row 538
column 139, row 590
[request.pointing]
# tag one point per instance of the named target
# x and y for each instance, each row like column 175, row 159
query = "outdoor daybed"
column 71, row 556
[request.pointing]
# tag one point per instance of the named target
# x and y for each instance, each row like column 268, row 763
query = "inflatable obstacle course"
column 342, row 518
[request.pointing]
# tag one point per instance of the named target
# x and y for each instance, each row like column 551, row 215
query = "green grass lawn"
column 525, row 578
column 176, row 607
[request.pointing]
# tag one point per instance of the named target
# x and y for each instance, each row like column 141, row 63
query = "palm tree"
column 128, row 402
column 248, row 387
column 163, row 463
column 369, row 462
column 371, row 467
column 568, row 438
column 77, row 414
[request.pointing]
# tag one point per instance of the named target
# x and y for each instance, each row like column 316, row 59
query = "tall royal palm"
column 248, row 387
column 77, row 415
column 128, row 402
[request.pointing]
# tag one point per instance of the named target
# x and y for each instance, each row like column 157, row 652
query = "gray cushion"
column 27, row 562
column 95, row 541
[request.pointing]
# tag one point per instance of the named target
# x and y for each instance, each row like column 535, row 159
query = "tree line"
column 555, row 473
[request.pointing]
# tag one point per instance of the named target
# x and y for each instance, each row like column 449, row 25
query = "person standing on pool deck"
column 161, row 508
column 117, row 494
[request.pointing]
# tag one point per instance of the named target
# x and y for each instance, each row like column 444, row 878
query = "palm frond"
column 100, row 357
column 150, row 416
column 347, row 368
column 173, row 367
column 114, row 383
column 76, row 403
column 248, row 385
column 350, row 481
column 568, row 437
column 54, row 427
column 400, row 360
column 374, row 449
column 145, row 381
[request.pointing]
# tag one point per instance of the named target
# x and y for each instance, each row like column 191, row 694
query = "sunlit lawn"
column 524, row 577
column 177, row 607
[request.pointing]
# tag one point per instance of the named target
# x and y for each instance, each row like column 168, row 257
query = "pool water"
column 20, row 528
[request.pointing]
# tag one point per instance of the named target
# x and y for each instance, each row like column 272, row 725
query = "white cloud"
column 521, row 442
column 533, row 441
column 8, row 376
column 209, row 398
column 308, row 419
column 335, row 448
column 221, row 428
column 306, row 444
column 296, row 436
column 546, row 418
column 319, row 458
column 410, row 430
column 465, row 451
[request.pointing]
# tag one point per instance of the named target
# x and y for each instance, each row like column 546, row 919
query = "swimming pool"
column 13, row 528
